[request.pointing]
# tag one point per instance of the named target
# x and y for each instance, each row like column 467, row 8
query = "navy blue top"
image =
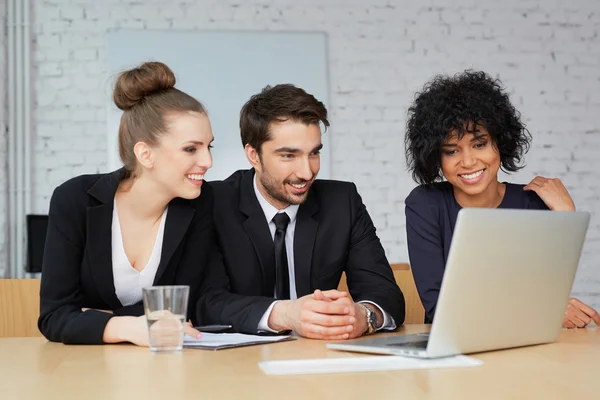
column 431, row 212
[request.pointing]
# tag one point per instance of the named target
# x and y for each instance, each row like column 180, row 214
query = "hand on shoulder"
column 552, row 192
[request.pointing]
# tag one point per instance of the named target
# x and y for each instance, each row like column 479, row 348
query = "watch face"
column 374, row 321
column 371, row 319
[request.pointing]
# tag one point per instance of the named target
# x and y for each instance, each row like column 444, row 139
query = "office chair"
column 37, row 225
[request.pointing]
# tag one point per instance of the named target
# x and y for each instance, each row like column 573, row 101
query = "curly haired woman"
column 461, row 131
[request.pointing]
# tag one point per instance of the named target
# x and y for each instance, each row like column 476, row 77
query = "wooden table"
column 32, row 368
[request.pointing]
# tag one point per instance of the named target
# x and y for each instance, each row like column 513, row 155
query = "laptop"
column 507, row 281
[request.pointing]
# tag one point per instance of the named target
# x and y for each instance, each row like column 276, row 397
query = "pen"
column 213, row 328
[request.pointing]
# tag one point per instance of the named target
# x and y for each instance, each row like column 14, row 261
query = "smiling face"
column 471, row 164
column 288, row 163
column 182, row 156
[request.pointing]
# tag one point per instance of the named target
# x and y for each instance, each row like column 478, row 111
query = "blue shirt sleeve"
column 534, row 202
column 425, row 249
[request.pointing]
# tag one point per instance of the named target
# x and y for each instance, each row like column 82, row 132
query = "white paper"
column 362, row 364
column 225, row 340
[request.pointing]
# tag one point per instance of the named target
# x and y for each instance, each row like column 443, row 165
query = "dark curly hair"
column 462, row 103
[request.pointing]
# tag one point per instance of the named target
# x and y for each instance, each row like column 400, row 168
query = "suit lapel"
column 257, row 228
column 179, row 217
column 305, row 235
column 99, row 234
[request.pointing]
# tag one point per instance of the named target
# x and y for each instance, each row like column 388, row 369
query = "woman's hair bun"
column 135, row 84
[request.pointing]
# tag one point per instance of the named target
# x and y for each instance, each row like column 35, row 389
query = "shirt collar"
column 269, row 210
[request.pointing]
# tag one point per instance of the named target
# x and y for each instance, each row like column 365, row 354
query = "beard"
column 277, row 191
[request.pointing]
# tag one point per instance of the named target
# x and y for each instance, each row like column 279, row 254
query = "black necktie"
column 282, row 277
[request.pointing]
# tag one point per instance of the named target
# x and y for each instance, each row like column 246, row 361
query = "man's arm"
column 306, row 316
column 384, row 319
column 369, row 275
column 217, row 305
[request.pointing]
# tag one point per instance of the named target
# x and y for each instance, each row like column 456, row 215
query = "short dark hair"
column 462, row 103
column 278, row 103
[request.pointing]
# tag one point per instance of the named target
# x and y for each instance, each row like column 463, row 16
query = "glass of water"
column 166, row 308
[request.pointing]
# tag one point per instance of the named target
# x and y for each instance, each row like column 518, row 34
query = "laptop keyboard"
column 422, row 344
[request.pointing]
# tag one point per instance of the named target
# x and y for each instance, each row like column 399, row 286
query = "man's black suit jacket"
column 77, row 267
column 333, row 234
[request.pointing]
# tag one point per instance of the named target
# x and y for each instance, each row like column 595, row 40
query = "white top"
column 128, row 281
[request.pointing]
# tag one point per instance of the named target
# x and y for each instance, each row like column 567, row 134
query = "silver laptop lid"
column 507, row 280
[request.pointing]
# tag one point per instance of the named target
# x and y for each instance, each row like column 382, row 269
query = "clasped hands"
column 327, row 315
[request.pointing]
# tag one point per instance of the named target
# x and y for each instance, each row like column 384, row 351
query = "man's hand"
column 360, row 327
column 316, row 316
column 552, row 192
column 578, row 315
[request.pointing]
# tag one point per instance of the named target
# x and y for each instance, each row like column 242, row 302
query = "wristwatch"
column 372, row 322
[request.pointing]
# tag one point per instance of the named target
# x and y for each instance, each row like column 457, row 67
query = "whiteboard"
column 222, row 70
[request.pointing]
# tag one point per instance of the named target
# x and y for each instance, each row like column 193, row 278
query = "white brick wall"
column 3, row 145
column 547, row 52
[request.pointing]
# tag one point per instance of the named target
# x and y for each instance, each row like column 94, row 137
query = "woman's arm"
column 556, row 197
column 61, row 317
column 426, row 252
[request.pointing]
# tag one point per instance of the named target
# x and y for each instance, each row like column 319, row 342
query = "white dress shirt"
column 292, row 212
column 129, row 282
